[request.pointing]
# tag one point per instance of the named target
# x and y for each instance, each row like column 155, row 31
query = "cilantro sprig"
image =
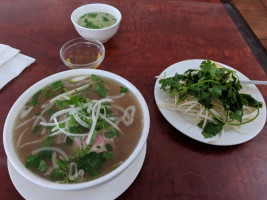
column 47, row 92
column 99, row 86
column 211, row 82
column 123, row 89
column 91, row 162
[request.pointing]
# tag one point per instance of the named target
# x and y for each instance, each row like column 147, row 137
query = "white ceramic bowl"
column 103, row 34
column 21, row 101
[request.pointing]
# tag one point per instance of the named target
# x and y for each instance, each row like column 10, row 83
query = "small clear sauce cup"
column 82, row 53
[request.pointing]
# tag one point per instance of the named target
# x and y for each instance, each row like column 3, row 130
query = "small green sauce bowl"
column 101, row 34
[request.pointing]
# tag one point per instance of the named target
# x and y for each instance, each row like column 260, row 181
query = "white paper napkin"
column 12, row 63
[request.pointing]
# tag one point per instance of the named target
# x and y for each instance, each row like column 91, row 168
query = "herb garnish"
column 36, row 128
column 96, row 20
column 210, row 83
column 99, row 86
column 38, row 161
column 47, row 92
column 123, row 89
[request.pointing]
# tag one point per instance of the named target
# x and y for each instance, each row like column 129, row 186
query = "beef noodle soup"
column 78, row 129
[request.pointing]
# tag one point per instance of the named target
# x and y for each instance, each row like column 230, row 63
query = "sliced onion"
column 61, row 112
column 95, row 114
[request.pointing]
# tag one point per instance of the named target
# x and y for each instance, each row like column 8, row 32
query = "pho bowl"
column 10, row 145
column 100, row 30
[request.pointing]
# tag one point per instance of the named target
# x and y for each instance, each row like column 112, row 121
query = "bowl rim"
column 81, row 40
column 20, row 102
column 96, row 4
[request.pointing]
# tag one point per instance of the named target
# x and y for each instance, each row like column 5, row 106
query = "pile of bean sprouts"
column 196, row 112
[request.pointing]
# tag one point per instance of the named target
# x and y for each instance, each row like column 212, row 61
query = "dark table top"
column 153, row 35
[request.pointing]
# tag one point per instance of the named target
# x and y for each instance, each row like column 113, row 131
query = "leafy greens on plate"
column 212, row 95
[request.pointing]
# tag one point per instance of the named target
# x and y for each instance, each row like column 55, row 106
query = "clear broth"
column 96, row 20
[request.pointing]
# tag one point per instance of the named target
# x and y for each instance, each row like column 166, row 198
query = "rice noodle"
column 79, row 78
column 117, row 96
column 25, row 112
column 81, row 174
column 49, row 171
column 118, row 108
column 25, row 122
column 61, row 157
column 31, row 142
column 129, row 119
column 51, row 149
column 77, row 84
column 53, row 159
column 43, row 130
column 73, row 172
column 121, row 109
column 46, row 104
column 20, row 137
column 40, row 116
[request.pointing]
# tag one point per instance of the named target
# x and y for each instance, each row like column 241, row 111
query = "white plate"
column 109, row 190
column 230, row 137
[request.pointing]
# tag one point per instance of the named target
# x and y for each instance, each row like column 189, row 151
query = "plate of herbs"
column 206, row 101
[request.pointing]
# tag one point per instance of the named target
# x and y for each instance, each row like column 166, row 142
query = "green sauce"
column 96, row 20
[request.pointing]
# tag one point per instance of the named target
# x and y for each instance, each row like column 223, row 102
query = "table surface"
column 153, row 35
